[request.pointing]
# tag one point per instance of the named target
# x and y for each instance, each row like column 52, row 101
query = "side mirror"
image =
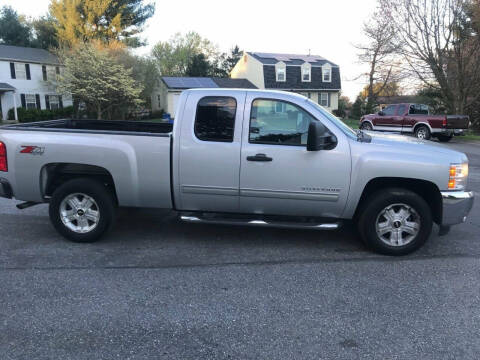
column 381, row 113
column 319, row 138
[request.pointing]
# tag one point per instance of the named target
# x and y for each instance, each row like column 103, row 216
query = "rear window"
column 215, row 118
column 418, row 109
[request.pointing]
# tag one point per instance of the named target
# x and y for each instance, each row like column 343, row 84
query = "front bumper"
column 456, row 206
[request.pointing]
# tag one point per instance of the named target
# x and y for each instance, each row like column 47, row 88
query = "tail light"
column 3, row 157
column 444, row 122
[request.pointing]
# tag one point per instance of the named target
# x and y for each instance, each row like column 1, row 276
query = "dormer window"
column 326, row 73
column 281, row 71
column 306, row 72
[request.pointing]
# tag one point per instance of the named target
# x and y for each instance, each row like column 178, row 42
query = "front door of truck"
column 209, row 151
column 386, row 121
column 278, row 175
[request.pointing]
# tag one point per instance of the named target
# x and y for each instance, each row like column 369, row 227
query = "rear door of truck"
column 209, row 142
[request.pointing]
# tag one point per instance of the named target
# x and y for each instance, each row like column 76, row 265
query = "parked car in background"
column 246, row 157
column 415, row 119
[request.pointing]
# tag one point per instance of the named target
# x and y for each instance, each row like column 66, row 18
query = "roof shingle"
column 27, row 54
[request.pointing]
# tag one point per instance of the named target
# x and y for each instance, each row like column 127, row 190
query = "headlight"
column 458, row 176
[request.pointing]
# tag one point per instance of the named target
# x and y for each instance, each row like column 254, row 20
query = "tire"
column 444, row 138
column 91, row 200
column 366, row 126
column 412, row 221
column 423, row 133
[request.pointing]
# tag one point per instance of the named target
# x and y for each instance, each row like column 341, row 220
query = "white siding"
column 34, row 86
column 251, row 69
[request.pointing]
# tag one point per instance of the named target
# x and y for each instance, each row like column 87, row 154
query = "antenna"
column 308, row 52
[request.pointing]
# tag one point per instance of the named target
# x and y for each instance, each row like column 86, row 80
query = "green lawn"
column 353, row 123
column 469, row 136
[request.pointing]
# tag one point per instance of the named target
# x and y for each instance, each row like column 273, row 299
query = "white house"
column 309, row 75
column 27, row 79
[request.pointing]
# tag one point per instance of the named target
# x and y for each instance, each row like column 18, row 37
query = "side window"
column 215, row 118
column 402, row 109
column 278, row 123
column 390, row 110
column 418, row 109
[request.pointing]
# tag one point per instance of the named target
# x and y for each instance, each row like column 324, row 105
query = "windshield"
column 347, row 130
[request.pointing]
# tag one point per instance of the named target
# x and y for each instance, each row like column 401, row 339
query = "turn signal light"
column 3, row 157
column 458, row 175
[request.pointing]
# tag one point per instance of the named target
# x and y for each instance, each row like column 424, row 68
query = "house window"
column 54, row 102
column 306, row 72
column 324, row 99
column 51, row 73
column 281, row 74
column 30, row 101
column 20, row 71
column 327, row 73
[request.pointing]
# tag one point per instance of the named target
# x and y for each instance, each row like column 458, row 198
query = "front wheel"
column 395, row 221
column 366, row 126
column 82, row 210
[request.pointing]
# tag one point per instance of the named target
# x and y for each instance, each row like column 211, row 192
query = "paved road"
column 159, row 289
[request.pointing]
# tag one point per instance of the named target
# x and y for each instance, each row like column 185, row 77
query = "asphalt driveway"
column 156, row 288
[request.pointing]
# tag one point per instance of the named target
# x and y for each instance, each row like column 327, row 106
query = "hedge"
column 30, row 115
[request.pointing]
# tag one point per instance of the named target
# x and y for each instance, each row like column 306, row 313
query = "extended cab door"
column 208, row 153
column 386, row 122
column 278, row 175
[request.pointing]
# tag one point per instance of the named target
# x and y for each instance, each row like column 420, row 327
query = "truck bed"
column 97, row 126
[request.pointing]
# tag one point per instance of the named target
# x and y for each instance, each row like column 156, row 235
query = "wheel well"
column 55, row 174
column 416, row 126
column 425, row 189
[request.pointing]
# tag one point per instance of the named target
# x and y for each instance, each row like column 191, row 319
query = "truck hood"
column 408, row 144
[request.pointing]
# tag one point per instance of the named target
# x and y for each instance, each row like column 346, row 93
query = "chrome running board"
column 194, row 218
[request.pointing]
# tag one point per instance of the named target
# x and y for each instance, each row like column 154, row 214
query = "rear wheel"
column 82, row 210
column 395, row 222
column 444, row 138
column 366, row 126
column 422, row 132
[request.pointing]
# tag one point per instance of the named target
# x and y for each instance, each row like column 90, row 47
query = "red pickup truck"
column 415, row 119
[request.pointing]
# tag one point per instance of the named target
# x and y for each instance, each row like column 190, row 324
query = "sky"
column 326, row 28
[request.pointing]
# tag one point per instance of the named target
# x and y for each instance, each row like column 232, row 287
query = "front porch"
column 7, row 101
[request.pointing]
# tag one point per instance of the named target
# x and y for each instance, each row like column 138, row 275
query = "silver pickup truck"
column 263, row 158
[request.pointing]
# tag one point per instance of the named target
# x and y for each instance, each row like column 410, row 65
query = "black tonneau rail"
column 120, row 127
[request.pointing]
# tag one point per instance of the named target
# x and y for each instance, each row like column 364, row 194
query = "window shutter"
column 12, row 70
column 328, row 99
column 47, row 102
column 24, row 103
column 44, row 72
column 37, row 100
column 27, row 70
column 57, row 69
column 60, row 102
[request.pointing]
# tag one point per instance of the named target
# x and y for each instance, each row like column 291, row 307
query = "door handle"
column 259, row 157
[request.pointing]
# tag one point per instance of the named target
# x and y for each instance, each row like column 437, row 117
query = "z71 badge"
column 31, row 149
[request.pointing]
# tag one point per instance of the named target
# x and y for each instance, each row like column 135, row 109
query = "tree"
column 440, row 46
column 14, row 30
column 232, row 59
column 175, row 55
column 198, row 66
column 45, row 33
column 108, row 21
column 378, row 54
column 358, row 108
column 144, row 71
column 93, row 76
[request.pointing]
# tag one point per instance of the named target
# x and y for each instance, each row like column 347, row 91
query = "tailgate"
column 457, row 121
